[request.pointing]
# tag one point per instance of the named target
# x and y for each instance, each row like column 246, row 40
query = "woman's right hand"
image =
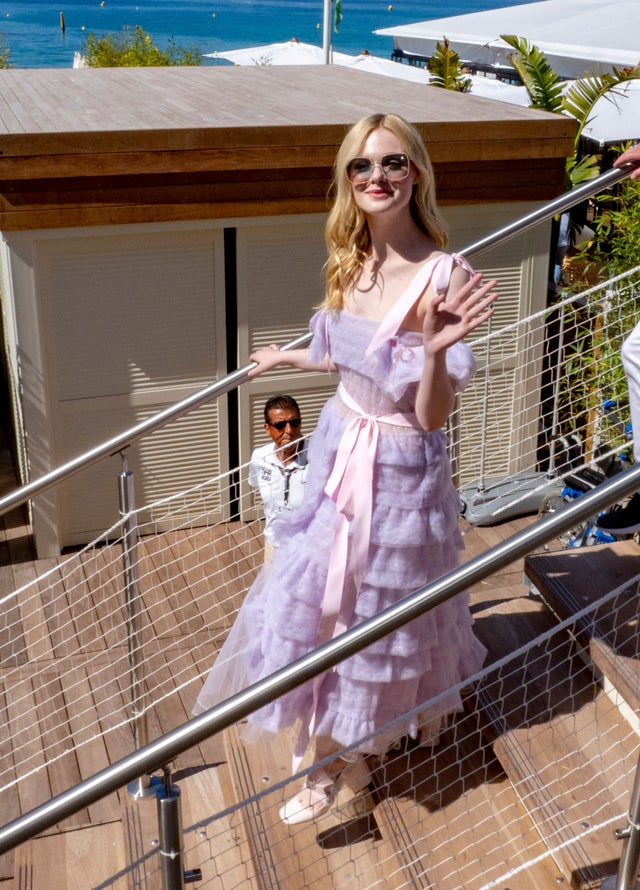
column 267, row 358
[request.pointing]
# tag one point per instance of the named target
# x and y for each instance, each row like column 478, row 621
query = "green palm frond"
column 583, row 170
column 540, row 80
column 582, row 95
column 445, row 70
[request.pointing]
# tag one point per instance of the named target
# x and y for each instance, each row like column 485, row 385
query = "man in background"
column 278, row 470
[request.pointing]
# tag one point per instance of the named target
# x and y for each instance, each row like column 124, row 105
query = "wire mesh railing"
column 580, row 415
column 442, row 817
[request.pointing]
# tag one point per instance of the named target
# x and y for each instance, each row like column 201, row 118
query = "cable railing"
column 155, row 755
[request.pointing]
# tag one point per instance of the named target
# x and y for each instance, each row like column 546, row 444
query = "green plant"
column 445, row 70
column 5, row 54
column 592, row 366
column 547, row 91
column 135, row 49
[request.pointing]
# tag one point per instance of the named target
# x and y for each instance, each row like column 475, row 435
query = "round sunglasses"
column 395, row 166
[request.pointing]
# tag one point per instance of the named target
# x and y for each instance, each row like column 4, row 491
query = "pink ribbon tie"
column 350, row 486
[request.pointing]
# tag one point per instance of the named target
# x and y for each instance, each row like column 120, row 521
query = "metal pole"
column 133, row 607
column 327, row 18
column 556, row 397
column 174, row 876
column 485, row 407
column 627, row 877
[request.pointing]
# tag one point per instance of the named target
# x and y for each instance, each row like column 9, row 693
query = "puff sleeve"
column 320, row 344
column 406, row 359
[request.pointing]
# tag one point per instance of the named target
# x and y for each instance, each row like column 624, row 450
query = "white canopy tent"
column 576, row 36
column 293, row 52
column 289, row 52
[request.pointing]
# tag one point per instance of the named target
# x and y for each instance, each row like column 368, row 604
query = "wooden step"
column 569, row 754
column 87, row 856
column 447, row 818
column 455, row 819
column 574, row 775
column 571, row 580
column 314, row 854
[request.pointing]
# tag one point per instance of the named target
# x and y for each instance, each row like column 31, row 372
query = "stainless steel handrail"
column 241, row 375
column 153, row 755
column 547, row 211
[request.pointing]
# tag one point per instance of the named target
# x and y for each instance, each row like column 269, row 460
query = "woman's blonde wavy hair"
column 347, row 232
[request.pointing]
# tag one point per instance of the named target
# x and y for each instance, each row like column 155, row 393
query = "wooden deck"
column 255, row 849
column 420, row 800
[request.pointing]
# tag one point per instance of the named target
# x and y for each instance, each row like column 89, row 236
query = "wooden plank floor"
column 249, row 848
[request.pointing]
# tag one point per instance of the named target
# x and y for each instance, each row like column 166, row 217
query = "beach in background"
column 32, row 31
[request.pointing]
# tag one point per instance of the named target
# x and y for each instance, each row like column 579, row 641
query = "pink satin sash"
column 350, row 485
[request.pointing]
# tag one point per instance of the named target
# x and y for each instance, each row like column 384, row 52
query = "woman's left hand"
column 450, row 317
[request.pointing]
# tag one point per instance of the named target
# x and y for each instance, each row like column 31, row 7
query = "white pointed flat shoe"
column 313, row 800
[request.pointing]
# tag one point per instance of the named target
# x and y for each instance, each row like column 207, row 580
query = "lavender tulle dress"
column 378, row 521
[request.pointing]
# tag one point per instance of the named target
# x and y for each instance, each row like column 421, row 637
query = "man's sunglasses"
column 395, row 167
column 281, row 424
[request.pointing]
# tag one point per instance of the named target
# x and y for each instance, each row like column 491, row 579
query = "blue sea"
column 32, row 33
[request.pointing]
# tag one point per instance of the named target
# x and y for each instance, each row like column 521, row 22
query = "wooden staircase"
column 550, row 737
column 588, row 754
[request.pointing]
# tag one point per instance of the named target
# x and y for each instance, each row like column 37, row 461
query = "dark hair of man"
column 280, row 401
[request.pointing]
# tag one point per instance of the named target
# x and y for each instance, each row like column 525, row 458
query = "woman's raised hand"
column 450, row 317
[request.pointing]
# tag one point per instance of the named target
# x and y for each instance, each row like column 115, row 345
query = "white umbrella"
column 292, row 52
column 491, row 88
column 375, row 65
column 616, row 115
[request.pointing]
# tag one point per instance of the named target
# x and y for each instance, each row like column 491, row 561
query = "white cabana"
column 576, row 36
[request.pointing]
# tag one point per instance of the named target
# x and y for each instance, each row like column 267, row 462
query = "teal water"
column 33, row 35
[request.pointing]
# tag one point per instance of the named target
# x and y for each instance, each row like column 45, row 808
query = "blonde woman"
column 379, row 518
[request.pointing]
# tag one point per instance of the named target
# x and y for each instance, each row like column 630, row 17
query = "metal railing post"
column 174, row 876
column 133, row 609
column 627, row 877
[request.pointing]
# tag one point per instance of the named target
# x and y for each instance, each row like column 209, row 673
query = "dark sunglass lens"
column 281, row 424
column 359, row 168
column 395, row 165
